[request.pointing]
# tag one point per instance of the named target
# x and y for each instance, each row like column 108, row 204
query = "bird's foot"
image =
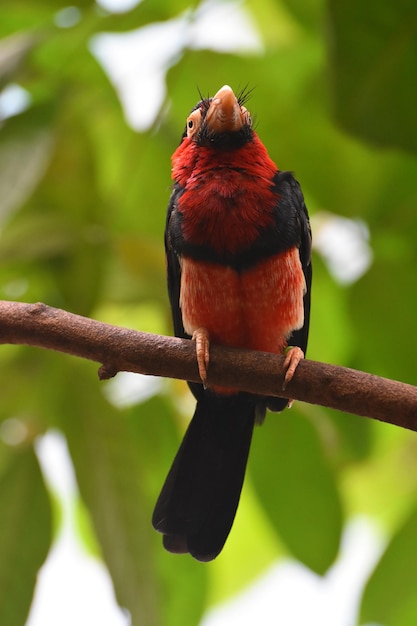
column 294, row 354
column 202, row 345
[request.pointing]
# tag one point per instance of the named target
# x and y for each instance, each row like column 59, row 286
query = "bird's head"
column 221, row 121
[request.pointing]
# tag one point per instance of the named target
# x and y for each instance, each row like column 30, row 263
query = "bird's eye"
column 193, row 122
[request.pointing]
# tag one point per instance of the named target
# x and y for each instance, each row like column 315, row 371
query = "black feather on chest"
column 283, row 233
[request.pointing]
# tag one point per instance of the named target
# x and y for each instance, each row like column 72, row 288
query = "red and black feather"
column 232, row 213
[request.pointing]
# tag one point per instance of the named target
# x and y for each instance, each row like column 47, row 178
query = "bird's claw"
column 293, row 357
column 202, row 345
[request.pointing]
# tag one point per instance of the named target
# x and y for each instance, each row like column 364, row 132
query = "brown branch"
column 121, row 349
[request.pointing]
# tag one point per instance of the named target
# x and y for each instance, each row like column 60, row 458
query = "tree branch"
column 121, row 349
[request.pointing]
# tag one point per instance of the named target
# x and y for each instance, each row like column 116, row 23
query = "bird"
column 238, row 256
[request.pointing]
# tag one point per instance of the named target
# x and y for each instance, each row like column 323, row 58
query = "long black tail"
column 198, row 502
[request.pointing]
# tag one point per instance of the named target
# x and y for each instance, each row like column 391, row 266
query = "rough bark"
column 120, row 349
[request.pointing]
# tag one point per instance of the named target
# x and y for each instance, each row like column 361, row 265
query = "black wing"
column 300, row 337
column 292, row 202
column 172, row 232
column 173, row 264
column 292, row 211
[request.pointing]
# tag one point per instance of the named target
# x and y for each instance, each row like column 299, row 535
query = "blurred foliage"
column 82, row 211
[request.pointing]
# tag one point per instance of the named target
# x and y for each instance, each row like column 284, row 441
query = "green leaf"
column 373, row 54
column 309, row 14
column 36, row 237
column 384, row 314
column 19, row 15
column 390, row 595
column 351, row 436
column 65, row 219
column 183, row 581
column 13, row 52
column 111, row 483
column 331, row 335
column 251, row 548
column 297, row 488
column 25, row 150
column 25, row 535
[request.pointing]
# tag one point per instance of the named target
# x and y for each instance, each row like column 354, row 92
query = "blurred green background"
column 82, row 209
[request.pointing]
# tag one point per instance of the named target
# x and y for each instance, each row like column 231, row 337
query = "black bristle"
column 244, row 94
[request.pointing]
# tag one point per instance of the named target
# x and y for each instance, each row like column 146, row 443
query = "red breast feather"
column 228, row 199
